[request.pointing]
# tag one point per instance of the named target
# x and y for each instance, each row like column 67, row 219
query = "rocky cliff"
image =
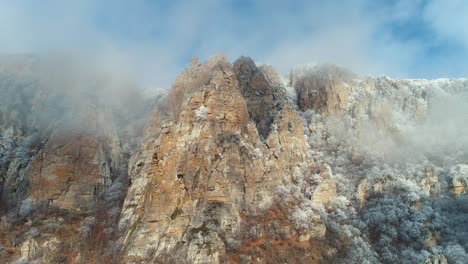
column 235, row 166
column 194, row 184
column 64, row 153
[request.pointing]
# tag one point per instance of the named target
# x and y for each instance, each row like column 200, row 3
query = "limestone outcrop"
column 75, row 168
column 459, row 179
column 191, row 184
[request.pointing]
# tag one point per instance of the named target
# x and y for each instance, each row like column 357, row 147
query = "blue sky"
column 155, row 39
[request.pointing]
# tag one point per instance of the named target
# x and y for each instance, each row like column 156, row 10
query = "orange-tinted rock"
column 194, row 180
column 75, row 166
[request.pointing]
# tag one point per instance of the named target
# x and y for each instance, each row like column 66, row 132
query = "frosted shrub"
column 303, row 217
column 201, row 113
column 113, row 248
column 456, row 254
column 87, row 226
column 233, row 245
column 290, row 93
column 3, row 251
column 300, row 218
column 273, row 127
column 257, row 153
column 26, row 207
column 33, row 232
column 22, row 260
column 341, row 202
column 108, row 232
column 282, row 193
column 316, row 179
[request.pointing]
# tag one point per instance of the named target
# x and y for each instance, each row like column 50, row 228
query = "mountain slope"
column 235, row 166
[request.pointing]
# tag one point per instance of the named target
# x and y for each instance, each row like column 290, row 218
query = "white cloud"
column 153, row 40
column 449, row 19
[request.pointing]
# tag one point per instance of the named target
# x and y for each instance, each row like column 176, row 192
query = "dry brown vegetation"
column 271, row 242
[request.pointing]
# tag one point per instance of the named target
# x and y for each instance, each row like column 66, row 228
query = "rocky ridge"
column 236, row 166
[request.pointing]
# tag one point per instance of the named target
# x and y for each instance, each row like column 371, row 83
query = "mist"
column 155, row 41
column 443, row 129
column 411, row 125
column 69, row 94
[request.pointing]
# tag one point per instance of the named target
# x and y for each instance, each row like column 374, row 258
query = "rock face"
column 325, row 192
column 74, row 169
column 257, row 93
column 234, row 166
column 64, row 151
column 60, row 145
column 29, row 249
column 191, row 184
column 431, row 183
